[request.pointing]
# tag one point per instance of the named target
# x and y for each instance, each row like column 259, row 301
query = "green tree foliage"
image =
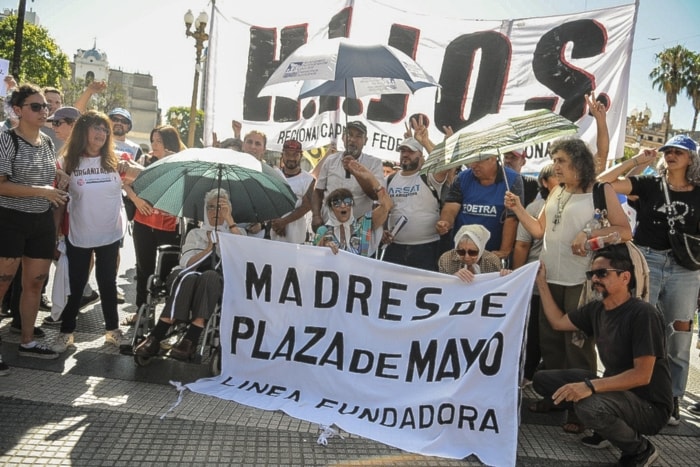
column 112, row 97
column 669, row 75
column 42, row 63
column 179, row 117
column 692, row 86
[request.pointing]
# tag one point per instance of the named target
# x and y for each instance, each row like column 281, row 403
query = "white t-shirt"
column 332, row 176
column 296, row 230
column 413, row 199
column 95, row 210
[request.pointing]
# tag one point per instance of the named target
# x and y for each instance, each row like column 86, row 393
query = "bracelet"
column 636, row 163
column 590, row 385
column 378, row 189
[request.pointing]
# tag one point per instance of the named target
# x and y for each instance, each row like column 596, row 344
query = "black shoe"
column 86, row 300
column 38, row 351
column 4, row 369
column 45, row 304
column 642, row 459
column 5, row 312
column 38, row 332
column 694, row 409
column 53, row 322
column 595, row 441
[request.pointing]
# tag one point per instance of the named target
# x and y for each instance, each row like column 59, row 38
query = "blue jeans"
column 673, row 289
column 621, row 417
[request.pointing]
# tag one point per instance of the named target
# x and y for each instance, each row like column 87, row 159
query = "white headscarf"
column 215, row 194
column 344, row 226
column 476, row 233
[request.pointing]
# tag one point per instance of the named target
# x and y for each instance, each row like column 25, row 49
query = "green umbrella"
column 497, row 134
column 177, row 184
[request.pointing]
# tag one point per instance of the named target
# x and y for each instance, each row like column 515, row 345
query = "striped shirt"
column 31, row 166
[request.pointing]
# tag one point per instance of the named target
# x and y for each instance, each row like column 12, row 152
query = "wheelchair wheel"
column 215, row 362
column 142, row 361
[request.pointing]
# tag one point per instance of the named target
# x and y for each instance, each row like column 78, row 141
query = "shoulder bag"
column 685, row 247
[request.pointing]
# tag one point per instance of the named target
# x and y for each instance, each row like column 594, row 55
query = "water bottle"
column 596, row 243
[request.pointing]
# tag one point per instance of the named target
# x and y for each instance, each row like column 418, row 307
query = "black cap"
column 358, row 125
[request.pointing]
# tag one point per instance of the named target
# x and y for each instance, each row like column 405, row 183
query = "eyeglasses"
column 57, row 123
column 212, row 207
column 121, row 120
column 336, row 203
column 101, row 129
column 36, row 107
column 461, row 252
column 602, row 272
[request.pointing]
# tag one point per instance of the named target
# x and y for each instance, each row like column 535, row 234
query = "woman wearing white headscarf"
column 342, row 231
column 470, row 256
column 198, row 287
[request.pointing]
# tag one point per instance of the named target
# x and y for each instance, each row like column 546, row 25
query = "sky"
column 148, row 36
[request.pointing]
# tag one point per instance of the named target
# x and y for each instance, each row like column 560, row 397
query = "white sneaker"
column 62, row 342
column 114, row 337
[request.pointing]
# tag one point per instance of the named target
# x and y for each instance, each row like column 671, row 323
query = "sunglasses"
column 336, row 203
column 123, row 121
column 57, row 123
column 602, row 272
column 101, row 129
column 36, row 107
column 461, row 252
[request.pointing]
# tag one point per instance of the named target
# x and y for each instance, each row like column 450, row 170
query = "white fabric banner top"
column 414, row 359
column 483, row 67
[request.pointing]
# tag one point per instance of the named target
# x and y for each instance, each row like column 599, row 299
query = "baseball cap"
column 522, row 154
column 121, row 112
column 358, row 125
column 680, row 141
column 411, row 143
column 65, row 112
column 292, row 144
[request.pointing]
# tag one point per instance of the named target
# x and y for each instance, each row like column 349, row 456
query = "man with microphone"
column 334, row 174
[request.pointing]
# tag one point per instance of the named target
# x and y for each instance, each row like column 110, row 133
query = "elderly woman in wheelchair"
column 198, row 286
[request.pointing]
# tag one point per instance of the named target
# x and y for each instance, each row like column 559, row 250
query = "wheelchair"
column 209, row 349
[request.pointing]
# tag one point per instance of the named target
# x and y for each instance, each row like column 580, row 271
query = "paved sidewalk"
column 96, row 407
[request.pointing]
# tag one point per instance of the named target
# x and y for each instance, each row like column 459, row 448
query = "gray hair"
column 692, row 173
column 216, row 193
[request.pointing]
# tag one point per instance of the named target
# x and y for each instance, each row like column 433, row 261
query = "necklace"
column 676, row 187
column 560, row 208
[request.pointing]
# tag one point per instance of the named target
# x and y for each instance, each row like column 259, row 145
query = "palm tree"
column 669, row 76
column 692, row 85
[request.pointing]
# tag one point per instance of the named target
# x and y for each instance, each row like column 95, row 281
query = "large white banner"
column 483, row 67
column 413, row 359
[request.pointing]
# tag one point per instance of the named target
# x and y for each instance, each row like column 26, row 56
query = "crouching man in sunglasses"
column 633, row 397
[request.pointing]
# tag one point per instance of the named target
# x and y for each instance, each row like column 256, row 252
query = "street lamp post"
column 200, row 38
